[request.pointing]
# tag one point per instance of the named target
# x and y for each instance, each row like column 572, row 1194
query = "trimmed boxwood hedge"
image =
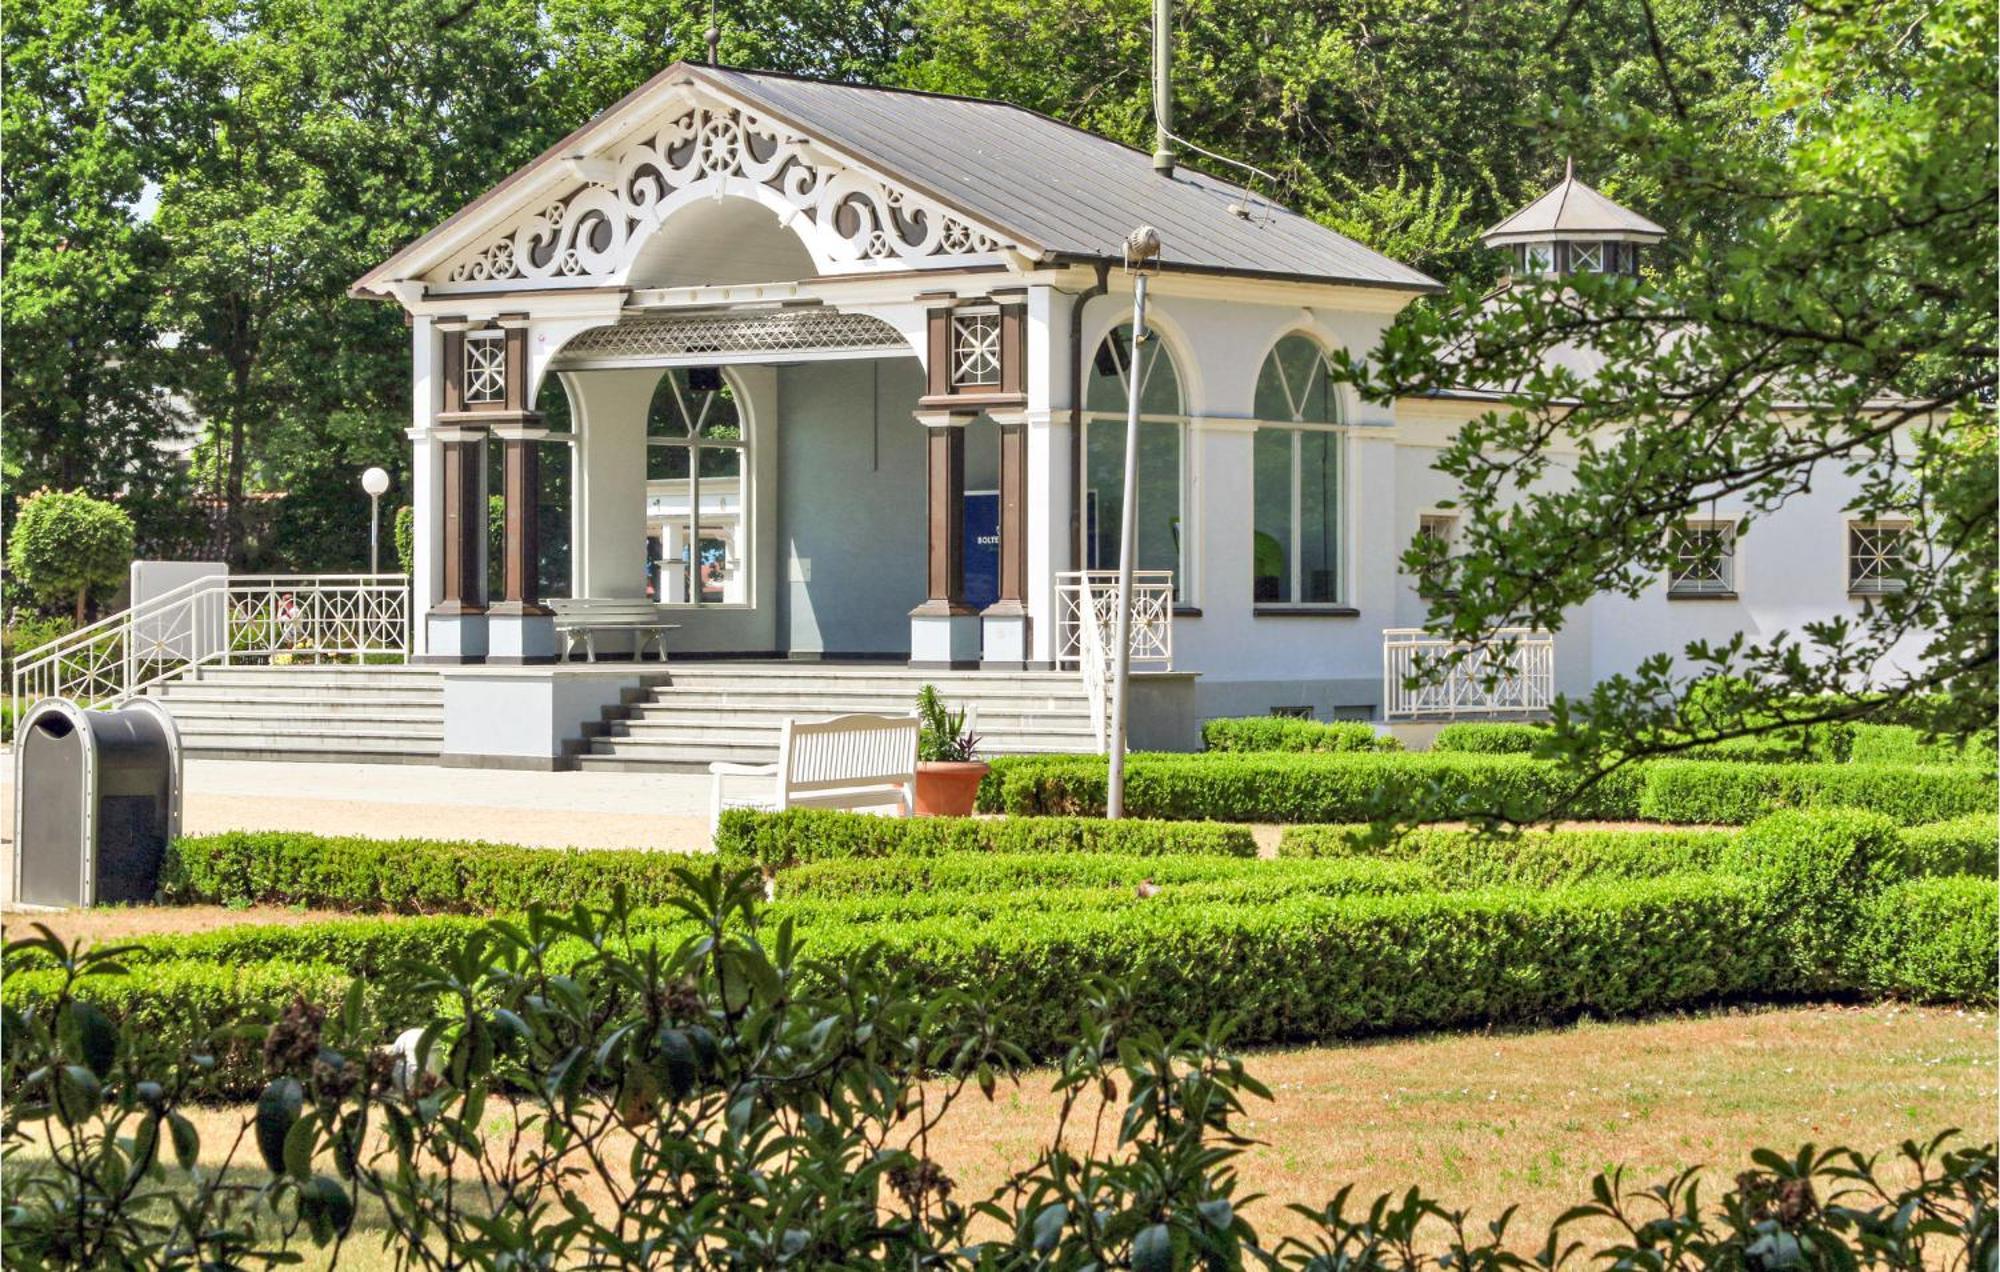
column 1717, row 791
column 1535, row 858
column 1472, row 738
column 405, row 876
column 1901, row 744
column 1280, row 733
column 776, row 841
column 972, row 873
column 1965, row 845
column 1931, row 940
column 1278, row 787
column 1359, row 787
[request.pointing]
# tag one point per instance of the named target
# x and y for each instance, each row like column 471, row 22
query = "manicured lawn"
column 1483, row 1121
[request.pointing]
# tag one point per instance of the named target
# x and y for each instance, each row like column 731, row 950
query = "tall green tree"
column 1848, row 330
column 88, row 119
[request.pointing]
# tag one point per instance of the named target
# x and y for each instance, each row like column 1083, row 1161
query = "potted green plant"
column 948, row 770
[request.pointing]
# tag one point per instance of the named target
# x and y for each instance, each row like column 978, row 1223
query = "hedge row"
column 1278, row 733
column 1831, row 743
column 966, row 874
column 1469, row 738
column 1964, row 845
column 777, row 841
column 1363, row 787
column 405, row 876
column 1930, row 940
column 1536, row 858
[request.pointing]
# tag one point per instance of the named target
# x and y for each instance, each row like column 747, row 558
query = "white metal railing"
column 220, row 620
column 1087, row 631
column 1513, row 672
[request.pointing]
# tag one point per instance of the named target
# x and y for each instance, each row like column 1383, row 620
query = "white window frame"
column 1186, row 572
column 1729, row 580
column 1538, row 258
column 1342, row 565
column 975, row 348
column 483, row 375
column 1881, row 585
column 1430, row 517
column 1596, row 263
column 693, row 443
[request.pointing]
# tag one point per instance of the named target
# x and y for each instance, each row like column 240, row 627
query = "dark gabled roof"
column 1572, row 208
column 1083, row 193
column 1053, row 188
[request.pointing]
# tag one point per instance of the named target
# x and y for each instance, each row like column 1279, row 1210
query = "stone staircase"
column 734, row 711
column 374, row 714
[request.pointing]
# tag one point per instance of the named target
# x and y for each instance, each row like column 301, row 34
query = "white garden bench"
column 850, row 761
column 581, row 619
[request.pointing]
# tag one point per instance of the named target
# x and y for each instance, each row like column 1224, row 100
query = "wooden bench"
column 850, row 761
column 582, row 618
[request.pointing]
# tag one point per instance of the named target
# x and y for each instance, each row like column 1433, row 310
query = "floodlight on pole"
column 1142, row 247
column 375, row 482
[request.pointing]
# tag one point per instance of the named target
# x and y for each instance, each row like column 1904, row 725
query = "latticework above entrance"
column 732, row 337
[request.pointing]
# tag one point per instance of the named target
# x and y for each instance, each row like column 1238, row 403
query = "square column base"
column 520, row 638
column 944, row 642
column 455, row 637
column 1004, row 639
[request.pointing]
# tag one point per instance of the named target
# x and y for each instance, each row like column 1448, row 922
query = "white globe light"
column 375, row 481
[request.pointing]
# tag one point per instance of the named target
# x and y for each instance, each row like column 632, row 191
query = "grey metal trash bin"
column 97, row 796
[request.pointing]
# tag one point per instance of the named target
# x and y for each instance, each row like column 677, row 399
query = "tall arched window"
column 1162, row 444
column 697, row 455
column 1295, row 556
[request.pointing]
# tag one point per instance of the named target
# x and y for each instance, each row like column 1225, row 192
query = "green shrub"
column 1822, row 869
column 1303, row 788
column 1279, row 733
column 405, row 876
column 1901, row 744
column 778, row 840
column 1488, row 739
column 1318, row 968
column 1965, row 845
column 1720, row 792
column 66, row 545
column 192, row 1005
column 969, row 874
column 1536, row 858
column 1931, row 940
column 1806, row 744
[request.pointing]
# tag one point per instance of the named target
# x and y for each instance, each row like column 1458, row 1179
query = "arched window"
column 1295, row 555
column 1162, row 444
column 697, row 455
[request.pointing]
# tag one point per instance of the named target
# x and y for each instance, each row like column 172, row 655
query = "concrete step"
column 346, row 677
column 697, row 736
column 199, row 699
column 347, row 713
column 321, row 727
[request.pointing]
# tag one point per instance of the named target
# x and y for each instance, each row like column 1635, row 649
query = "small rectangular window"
column 1704, row 560
column 1440, row 528
column 975, row 349
column 1878, row 557
column 1540, row 258
column 485, row 367
column 1586, row 258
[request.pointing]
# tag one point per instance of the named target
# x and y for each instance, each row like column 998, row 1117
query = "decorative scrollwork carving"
column 593, row 233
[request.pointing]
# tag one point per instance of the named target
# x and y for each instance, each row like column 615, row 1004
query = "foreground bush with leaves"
column 724, row 1101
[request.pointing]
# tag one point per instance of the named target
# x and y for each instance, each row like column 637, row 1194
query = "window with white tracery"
column 1704, row 560
column 485, row 367
column 698, row 490
column 975, row 349
column 1440, row 528
column 1296, row 479
column 1161, row 491
column 1586, row 258
column 1878, row 557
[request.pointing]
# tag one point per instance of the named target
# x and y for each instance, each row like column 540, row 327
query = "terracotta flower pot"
column 948, row 788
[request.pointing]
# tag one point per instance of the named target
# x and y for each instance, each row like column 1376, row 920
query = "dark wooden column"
column 1013, row 519
column 945, row 465
column 464, row 590
column 521, row 550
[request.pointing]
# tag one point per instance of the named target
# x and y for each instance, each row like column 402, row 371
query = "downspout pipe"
column 1076, row 305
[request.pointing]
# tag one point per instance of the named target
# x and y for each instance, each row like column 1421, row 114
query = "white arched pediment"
column 846, row 217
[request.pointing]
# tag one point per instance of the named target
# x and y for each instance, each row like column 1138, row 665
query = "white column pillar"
column 426, row 491
column 609, row 548
column 1051, row 484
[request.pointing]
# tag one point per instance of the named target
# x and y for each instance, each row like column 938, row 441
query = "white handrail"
column 1086, row 627
column 1511, row 672
column 254, row 617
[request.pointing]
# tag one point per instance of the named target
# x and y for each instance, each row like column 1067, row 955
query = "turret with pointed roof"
column 1574, row 229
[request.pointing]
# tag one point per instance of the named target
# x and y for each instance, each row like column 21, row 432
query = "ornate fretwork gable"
column 592, row 233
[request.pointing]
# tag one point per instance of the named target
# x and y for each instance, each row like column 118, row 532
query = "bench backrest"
column 605, row 609
column 848, row 751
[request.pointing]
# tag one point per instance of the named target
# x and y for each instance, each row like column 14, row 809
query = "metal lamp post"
column 376, row 482
column 1141, row 246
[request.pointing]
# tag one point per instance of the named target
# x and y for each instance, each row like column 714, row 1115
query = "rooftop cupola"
column 1574, row 230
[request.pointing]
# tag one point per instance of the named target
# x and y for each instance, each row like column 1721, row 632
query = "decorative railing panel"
column 217, row 620
column 1087, row 631
column 1512, row 673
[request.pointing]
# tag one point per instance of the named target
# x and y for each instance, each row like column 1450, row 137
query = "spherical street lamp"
column 376, row 483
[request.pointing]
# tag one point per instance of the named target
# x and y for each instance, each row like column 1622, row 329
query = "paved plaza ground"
column 388, row 801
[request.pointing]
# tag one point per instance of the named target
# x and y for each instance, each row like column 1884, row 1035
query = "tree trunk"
column 82, row 599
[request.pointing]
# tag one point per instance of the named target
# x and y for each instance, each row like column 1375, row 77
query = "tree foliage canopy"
column 66, row 544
